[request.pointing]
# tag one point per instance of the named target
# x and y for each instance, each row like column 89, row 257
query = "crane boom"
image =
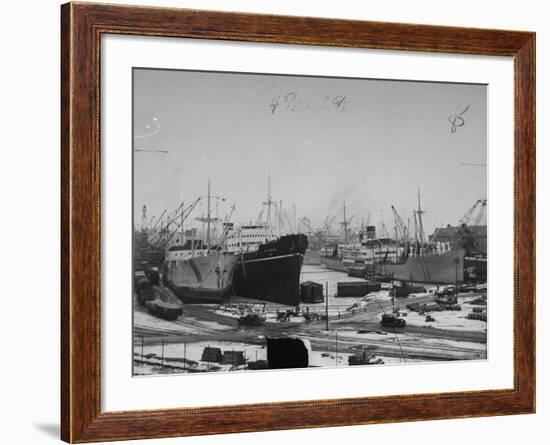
column 482, row 213
column 185, row 212
column 400, row 225
column 468, row 215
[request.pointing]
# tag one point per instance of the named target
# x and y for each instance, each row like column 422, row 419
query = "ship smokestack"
column 371, row 232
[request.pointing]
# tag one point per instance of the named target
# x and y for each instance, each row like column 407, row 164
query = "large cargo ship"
column 331, row 257
column 197, row 268
column 268, row 265
column 197, row 274
column 405, row 258
column 437, row 268
column 269, row 258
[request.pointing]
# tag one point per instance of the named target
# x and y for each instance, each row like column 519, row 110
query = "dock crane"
column 174, row 222
column 401, row 227
column 158, row 221
column 482, row 205
column 327, row 224
column 184, row 214
column 482, row 213
column 306, row 222
column 402, row 231
column 226, row 225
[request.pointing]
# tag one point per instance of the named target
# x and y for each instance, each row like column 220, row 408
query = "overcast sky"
column 369, row 142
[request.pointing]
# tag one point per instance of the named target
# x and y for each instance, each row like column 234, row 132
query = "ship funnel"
column 371, row 232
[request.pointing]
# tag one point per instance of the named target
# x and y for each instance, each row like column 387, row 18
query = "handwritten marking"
column 292, row 101
column 151, row 129
column 457, row 120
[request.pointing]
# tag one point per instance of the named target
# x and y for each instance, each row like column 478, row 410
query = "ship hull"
column 446, row 268
column 312, row 257
column 437, row 269
column 273, row 272
column 334, row 263
column 203, row 279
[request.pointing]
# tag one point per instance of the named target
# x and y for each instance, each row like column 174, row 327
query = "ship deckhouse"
column 248, row 238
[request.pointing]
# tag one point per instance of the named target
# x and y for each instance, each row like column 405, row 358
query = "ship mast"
column 418, row 220
column 208, row 220
column 269, row 201
column 345, row 225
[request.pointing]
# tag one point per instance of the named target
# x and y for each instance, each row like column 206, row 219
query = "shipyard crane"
column 327, row 224
column 307, row 224
column 400, row 226
column 402, row 231
column 226, row 225
column 468, row 215
column 150, row 223
column 173, row 215
column 172, row 220
column 185, row 212
column 383, row 230
column 482, row 213
column 154, row 228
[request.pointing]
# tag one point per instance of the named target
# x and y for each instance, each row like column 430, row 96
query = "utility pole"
column 394, row 293
column 184, row 354
column 326, row 305
column 457, row 261
column 182, row 231
column 336, row 348
column 208, row 220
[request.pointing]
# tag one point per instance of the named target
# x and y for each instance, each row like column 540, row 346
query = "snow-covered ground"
column 337, row 307
column 186, row 357
column 146, row 321
column 184, row 325
column 455, row 320
column 177, row 358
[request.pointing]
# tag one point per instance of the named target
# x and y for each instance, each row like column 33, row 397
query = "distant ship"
column 404, row 258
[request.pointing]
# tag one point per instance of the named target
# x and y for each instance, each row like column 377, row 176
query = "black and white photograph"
column 291, row 221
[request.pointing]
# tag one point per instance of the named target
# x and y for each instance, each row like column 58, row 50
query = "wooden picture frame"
column 82, row 26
